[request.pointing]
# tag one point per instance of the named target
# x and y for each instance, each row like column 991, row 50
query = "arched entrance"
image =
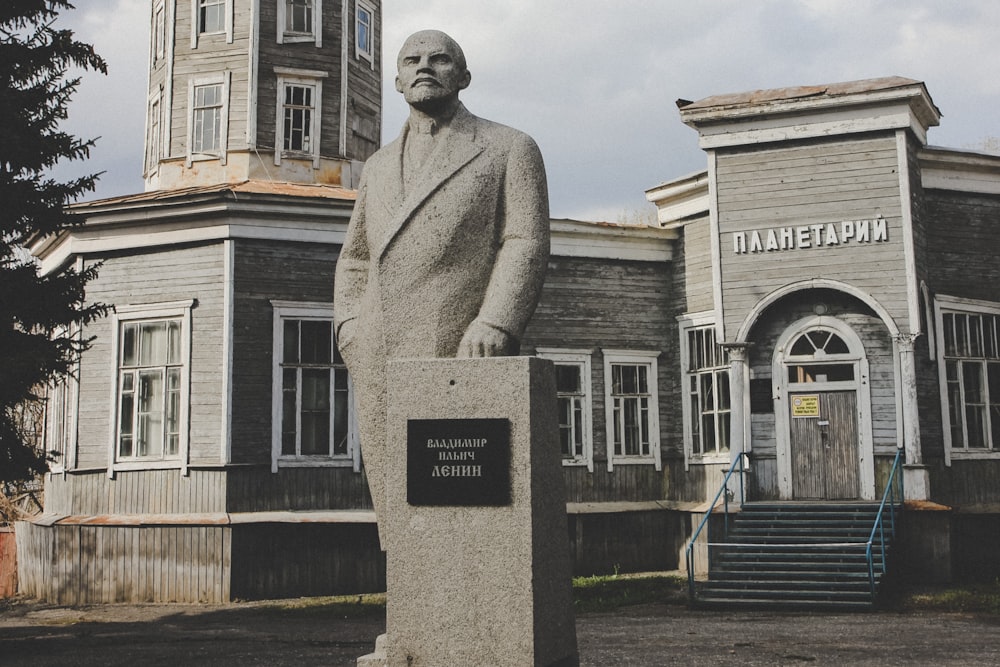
column 823, row 412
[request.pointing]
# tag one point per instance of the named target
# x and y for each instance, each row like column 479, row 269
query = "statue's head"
column 432, row 70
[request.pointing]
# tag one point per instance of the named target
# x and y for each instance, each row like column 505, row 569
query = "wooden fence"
column 8, row 562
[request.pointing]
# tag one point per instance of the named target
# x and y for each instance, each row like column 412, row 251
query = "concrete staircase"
column 796, row 555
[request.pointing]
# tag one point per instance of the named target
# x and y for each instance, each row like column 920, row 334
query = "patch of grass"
column 598, row 593
column 972, row 598
column 343, row 606
column 601, row 593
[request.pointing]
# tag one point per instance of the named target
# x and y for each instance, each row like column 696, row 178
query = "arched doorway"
column 823, row 412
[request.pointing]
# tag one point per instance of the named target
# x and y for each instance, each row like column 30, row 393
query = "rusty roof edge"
column 720, row 108
column 205, row 518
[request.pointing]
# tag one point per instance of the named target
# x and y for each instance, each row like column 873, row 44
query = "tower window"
column 298, row 117
column 207, row 119
column 211, row 16
column 299, row 16
column 364, row 32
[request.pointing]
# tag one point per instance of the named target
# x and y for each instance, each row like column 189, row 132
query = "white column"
column 739, row 399
column 916, row 482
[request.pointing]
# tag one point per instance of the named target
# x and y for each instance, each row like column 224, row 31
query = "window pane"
column 290, row 342
column 299, row 13
column 173, row 342
column 724, row 422
column 211, row 17
column 340, row 411
column 975, row 336
column 289, row 379
column 565, row 407
column 836, row 345
column 972, row 381
column 317, row 341
column 722, row 389
column 568, row 378
column 130, row 345
column 803, row 347
column 993, row 372
column 151, row 401
column 126, row 416
column 315, row 411
column 961, row 336
column 707, row 393
column 950, row 346
column 990, row 337
column 173, row 417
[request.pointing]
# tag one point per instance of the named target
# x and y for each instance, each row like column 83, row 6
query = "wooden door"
column 824, row 445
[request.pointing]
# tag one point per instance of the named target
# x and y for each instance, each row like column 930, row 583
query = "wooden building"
column 827, row 266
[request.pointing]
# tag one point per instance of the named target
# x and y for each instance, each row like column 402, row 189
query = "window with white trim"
column 313, row 420
column 159, row 33
column 211, row 16
column 364, row 32
column 154, row 140
column 970, row 359
column 60, row 421
column 706, row 383
column 206, row 119
column 300, row 21
column 300, row 96
column 297, row 117
column 631, row 407
column 152, row 368
column 573, row 393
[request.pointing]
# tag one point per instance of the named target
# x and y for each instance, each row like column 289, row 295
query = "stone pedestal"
column 476, row 584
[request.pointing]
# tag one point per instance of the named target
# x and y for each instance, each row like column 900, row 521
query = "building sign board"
column 811, row 236
column 805, row 405
column 458, row 462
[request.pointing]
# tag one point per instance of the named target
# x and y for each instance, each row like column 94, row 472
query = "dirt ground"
column 270, row 634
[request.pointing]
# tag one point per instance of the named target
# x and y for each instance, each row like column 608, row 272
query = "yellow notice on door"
column 805, row 405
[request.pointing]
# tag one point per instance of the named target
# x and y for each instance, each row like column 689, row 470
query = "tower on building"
column 278, row 90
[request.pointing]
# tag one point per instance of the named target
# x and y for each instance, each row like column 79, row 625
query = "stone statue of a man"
column 448, row 244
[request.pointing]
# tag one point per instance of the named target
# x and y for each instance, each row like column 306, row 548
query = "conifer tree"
column 39, row 314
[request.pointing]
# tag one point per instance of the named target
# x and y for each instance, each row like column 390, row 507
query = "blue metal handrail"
column 721, row 492
column 888, row 497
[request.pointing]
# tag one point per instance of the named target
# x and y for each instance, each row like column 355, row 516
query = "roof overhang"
column 958, row 170
column 166, row 218
column 804, row 112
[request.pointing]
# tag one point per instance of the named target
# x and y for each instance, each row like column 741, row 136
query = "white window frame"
column 633, row 357
column 359, row 53
column 227, row 21
column 300, row 77
column 582, row 359
column 687, row 324
column 948, row 304
column 286, row 36
column 172, row 310
column 62, row 414
column 219, row 154
column 154, row 133
column 302, row 310
column 158, row 46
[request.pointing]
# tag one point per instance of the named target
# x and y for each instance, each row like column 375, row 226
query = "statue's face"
column 431, row 70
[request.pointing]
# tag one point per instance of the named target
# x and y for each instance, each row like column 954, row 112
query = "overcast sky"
column 594, row 81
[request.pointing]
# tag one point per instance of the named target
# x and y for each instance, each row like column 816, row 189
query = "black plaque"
column 458, row 462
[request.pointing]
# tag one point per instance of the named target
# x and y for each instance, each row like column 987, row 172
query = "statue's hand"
column 482, row 340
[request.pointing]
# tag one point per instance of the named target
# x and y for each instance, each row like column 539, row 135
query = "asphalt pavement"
column 288, row 633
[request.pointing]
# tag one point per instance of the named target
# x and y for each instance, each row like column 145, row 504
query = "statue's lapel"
column 456, row 149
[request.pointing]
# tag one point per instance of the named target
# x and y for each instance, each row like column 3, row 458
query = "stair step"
column 788, row 575
column 712, row 602
column 804, row 555
column 787, row 594
column 784, row 585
